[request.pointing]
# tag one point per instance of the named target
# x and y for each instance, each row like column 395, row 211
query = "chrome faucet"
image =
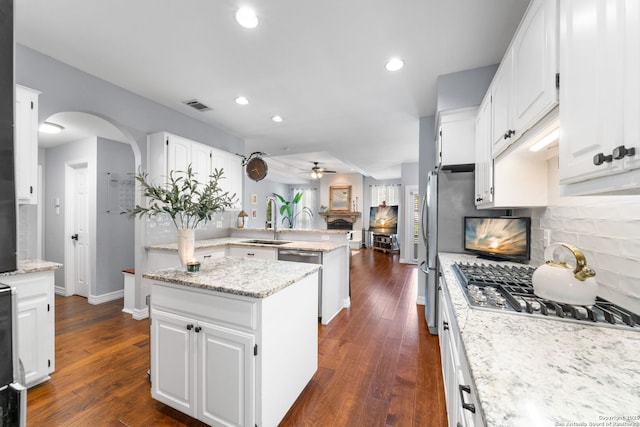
column 274, row 216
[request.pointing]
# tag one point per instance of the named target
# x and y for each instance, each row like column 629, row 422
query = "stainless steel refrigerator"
column 449, row 197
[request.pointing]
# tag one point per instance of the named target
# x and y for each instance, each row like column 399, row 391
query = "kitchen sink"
column 265, row 242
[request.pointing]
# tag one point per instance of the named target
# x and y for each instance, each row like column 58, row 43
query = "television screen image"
column 503, row 237
column 384, row 219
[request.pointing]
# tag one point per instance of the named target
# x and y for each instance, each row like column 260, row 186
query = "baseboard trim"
column 101, row 299
column 139, row 313
column 59, row 290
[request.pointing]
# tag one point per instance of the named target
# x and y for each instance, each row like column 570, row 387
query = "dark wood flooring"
column 378, row 365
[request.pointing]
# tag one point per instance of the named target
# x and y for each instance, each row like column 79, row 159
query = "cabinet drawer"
column 253, row 252
column 206, row 305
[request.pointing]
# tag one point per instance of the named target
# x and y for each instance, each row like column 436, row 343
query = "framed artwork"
column 254, row 212
column 254, row 199
column 340, row 197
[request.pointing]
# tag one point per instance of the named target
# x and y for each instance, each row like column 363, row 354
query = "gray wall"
column 464, row 88
column 114, row 232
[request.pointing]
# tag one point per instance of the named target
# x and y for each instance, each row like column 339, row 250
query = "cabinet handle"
column 250, row 254
column 600, row 158
column 198, row 329
column 445, row 326
column 74, row 237
column 189, row 327
column 508, row 134
column 468, row 406
column 206, row 256
column 621, row 152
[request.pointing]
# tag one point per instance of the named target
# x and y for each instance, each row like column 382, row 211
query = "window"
column 308, row 200
column 388, row 193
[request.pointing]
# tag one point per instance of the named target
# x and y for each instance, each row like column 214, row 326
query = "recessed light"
column 247, row 17
column 277, row 119
column 242, row 100
column 48, row 127
column 394, row 64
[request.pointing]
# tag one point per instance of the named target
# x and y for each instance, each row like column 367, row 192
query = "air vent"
column 194, row 103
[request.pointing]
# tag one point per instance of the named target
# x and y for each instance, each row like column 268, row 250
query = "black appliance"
column 509, row 289
column 13, row 395
column 8, row 249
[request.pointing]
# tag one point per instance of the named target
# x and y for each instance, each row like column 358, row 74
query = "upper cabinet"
column 484, row 161
column 167, row 152
column 456, row 137
column 26, row 145
column 600, row 96
column 524, row 88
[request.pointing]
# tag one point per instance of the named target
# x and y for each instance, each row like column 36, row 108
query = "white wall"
column 606, row 228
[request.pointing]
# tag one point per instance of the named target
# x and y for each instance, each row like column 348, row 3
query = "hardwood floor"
column 378, row 365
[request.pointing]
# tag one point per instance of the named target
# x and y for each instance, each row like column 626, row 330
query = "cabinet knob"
column 600, row 158
column 621, row 152
column 445, row 326
column 189, row 327
column 198, row 329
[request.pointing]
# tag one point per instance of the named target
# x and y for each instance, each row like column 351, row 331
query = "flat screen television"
column 383, row 219
column 502, row 238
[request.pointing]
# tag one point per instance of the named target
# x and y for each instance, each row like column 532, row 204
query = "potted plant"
column 187, row 201
column 288, row 209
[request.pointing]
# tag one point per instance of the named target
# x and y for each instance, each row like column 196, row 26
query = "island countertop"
column 238, row 241
column 251, row 277
column 533, row 371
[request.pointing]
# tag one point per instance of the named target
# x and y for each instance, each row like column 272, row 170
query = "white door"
column 80, row 231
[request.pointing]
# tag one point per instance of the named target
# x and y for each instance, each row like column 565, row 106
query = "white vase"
column 186, row 243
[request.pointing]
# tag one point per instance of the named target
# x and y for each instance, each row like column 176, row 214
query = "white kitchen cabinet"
column 233, row 174
column 36, row 327
column 599, row 46
column 202, row 369
column 484, row 160
column 456, row 137
column 524, row 88
column 253, row 252
column 463, row 409
column 167, row 152
column 231, row 360
column 26, row 145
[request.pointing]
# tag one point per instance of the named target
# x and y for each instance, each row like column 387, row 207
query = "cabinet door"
column 33, row 337
column 26, row 145
column 591, row 87
column 500, row 104
column 201, row 161
column 632, row 83
column 484, row 161
column 173, row 361
column 232, row 176
column 535, row 65
column 178, row 154
column 457, row 137
column 226, row 376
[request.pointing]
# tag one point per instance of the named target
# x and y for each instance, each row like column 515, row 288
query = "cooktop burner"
column 509, row 288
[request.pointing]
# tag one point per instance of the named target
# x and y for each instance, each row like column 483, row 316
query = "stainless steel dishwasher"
column 311, row 257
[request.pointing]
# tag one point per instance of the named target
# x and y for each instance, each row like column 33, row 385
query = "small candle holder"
column 193, row 266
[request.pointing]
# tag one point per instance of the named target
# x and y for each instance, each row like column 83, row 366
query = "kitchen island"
column 539, row 372
column 235, row 343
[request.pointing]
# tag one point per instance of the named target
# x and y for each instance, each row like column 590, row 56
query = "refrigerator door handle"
column 423, row 217
column 424, row 267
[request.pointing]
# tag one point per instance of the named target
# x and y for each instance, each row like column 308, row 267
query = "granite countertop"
column 32, row 266
column 294, row 230
column 239, row 241
column 531, row 371
column 251, row 277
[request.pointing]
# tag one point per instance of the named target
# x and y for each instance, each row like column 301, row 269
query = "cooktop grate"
column 509, row 288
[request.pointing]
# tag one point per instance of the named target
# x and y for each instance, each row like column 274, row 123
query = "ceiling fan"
column 316, row 171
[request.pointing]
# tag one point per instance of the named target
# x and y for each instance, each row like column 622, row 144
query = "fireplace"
column 339, row 224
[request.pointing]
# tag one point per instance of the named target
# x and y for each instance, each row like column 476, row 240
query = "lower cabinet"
column 36, row 327
column 230, row 360
column 463, row 409
column 253, row 252
column 205, row 370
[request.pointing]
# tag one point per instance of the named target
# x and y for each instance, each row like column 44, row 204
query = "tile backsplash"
column 606, row 229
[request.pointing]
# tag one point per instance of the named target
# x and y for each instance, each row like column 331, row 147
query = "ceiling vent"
column 194, row 103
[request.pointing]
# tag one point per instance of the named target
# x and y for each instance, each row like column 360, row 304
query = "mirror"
column 340, row 197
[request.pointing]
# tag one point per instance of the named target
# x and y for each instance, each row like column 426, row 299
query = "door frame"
column 69, row 211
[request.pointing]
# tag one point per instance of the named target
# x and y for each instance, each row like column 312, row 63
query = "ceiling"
column 319, row 65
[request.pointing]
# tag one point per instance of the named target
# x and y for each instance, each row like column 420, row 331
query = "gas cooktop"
column 509, row 289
